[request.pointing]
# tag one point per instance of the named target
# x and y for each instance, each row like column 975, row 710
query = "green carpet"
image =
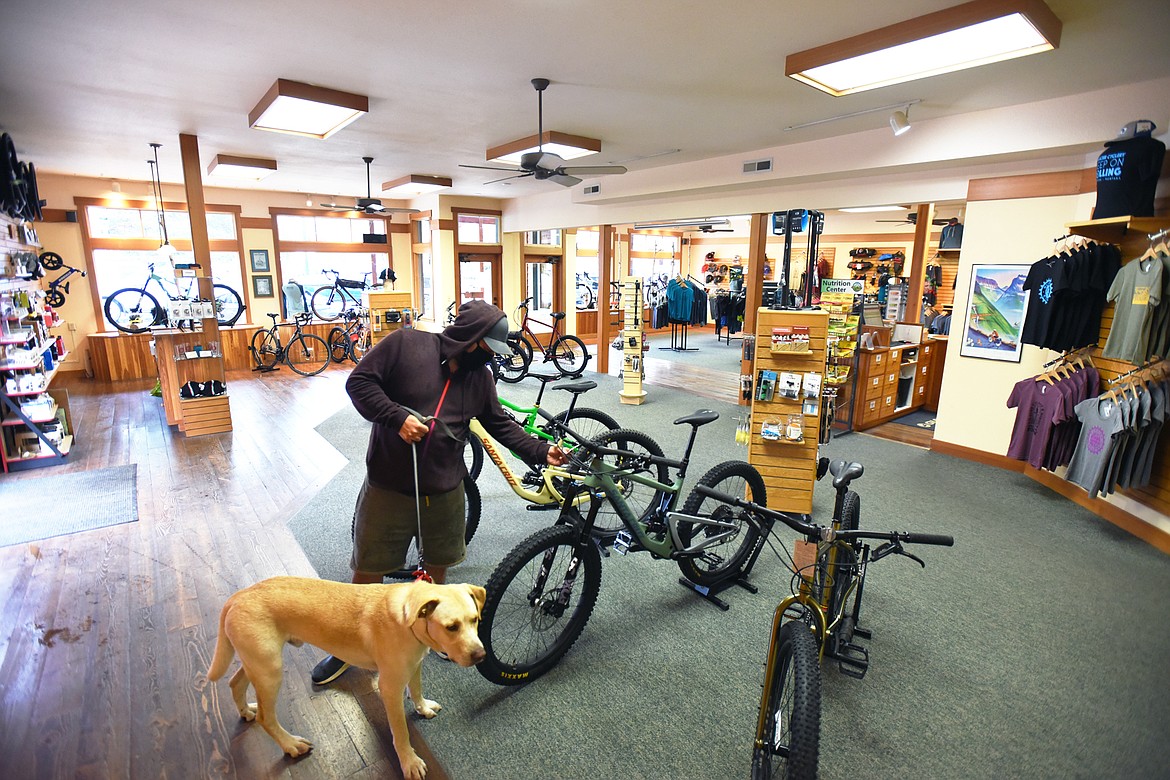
column 60, row 504
column 1031, row 649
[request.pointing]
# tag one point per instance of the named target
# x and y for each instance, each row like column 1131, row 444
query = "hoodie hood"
column 474, row 320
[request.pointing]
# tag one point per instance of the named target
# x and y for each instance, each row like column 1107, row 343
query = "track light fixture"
column 900, row 121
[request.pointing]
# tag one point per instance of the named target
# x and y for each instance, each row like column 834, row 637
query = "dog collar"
column 428, row 644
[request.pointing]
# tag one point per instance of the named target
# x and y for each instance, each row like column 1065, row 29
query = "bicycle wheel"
column 570, row 355
column 228, row 305
column 538, row 601
column 791, row 709
column 327, row 303
column 473, row 457
column 729, row 548
column 590, row 423
column 514, row 367
column 265, row 348
column 307, row 354
column 55, row 298
column 639, row 497
column 133, row 311
column 584, row 297
column 615, row 296
column 842, row 575
column 359, row 345
column 338, row 345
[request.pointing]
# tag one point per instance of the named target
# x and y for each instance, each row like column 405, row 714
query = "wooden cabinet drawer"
column 923, row 372
column 888, row 403
column 873, row 391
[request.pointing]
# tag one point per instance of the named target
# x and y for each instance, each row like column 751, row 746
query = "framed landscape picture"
column 996, row 306
column 260, row 261
column 262, row 287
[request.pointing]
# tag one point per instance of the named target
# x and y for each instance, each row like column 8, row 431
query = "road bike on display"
column 137, row 310
column 330, row 301
column 543, row 592
column 353, row 340
column 305, row 353
column 567, row 352
column 820, row 619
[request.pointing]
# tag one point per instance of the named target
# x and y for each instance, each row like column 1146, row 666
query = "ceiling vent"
column 758, row 166
column 591, row 189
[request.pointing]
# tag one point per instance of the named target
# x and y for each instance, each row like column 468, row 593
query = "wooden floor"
column 107, row 634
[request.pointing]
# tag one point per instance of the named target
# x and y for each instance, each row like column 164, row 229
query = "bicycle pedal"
column 853, row 661
column 623, row 542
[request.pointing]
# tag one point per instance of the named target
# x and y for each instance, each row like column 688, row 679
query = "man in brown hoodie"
column 443, row 375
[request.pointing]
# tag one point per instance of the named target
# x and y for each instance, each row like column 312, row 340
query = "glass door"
column 479, row 278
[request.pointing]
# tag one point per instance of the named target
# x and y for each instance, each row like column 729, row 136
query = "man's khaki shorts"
column 385, row 523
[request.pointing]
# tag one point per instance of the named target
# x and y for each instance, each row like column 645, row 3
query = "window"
column 115, row 269
column 478, row 228
column 588, row 242
column 314, row 269
column 538, row 282
column 422, row 230
column 107, row 222
column 426, row 284
column 652, row 256
column 543, row 238
column 326, row 230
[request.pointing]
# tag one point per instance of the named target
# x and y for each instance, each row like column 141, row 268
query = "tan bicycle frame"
column 548, row 494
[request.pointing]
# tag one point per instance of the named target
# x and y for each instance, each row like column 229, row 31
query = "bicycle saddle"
column 274, row 315
column 558, row 315
column 845, row 472
column 578, row 387
column 701, row 417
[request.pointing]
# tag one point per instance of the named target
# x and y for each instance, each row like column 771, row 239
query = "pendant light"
column 165, row 250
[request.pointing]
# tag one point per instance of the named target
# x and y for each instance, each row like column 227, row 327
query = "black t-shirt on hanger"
column 1044, row 278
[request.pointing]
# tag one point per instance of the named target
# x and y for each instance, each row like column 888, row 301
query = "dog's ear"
column 426, row 609
column 419, row 603
column 479, row 595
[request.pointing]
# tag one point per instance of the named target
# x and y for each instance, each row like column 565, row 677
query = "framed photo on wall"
column 996, row 306
column 260, row 261
column 262, row 287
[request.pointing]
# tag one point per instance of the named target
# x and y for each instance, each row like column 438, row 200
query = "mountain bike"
column 819, row 620
column 136, row 310
column 59, row 287
column 353, row 340
column 328, row 302
column 305, row 353
column 567, row 352
column 543, row 592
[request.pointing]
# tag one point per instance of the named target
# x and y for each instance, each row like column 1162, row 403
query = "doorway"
column 480, row 278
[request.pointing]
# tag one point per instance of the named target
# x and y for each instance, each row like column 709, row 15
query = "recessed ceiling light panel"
column 414, row 184
column 227, row 166
column 565, row 145
column 306, row 109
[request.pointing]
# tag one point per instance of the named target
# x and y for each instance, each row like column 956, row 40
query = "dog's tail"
column 224, row 651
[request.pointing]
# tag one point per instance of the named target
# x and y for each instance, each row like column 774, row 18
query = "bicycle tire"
column 791, row 708
column 615, row 296
column 584, row 297
column 523, row 630
column 736, row 478
column 51, row 260
column 570, row 355
column 307, row 354
column 586, row 421
column 327, row 303
column 514, row 367
column 127, row 310
column 640, row 498
column 359, row 345
column 55, row 298
column 265, row 348
column 473, row 457
column 228, row 305
column 338, row 345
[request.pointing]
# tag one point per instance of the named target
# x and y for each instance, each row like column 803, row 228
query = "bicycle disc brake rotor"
column 546, row 612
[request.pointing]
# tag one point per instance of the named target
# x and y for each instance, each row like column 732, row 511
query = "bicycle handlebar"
column 820, row 532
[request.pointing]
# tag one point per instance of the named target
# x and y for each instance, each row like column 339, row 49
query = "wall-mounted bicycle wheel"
column 55, row 298
column 307, row 354
column 133, row 311
column 327, row 303
column 265, row 348
column 228, row 305
column 789, row 744
column 584, row 297
column 570, row 355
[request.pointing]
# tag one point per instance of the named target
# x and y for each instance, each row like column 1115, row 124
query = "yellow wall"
column 64, row 238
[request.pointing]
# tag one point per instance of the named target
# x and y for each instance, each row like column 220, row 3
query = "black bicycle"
column 329, row 302
column 136, row 310
column 353, row 340
column 305, row 353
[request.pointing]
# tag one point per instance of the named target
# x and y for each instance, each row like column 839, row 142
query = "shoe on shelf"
column 328, row 670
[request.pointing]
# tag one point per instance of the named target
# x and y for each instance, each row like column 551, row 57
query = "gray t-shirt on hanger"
column 1137, row 290
column 1100, row 420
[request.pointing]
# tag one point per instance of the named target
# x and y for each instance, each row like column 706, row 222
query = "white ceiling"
column 84, row 87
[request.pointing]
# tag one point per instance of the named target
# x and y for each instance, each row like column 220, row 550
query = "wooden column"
column 754, row 284
column 605, row 332
column 917, row 262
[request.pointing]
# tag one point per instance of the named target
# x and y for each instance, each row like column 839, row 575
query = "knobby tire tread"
column 748, row 535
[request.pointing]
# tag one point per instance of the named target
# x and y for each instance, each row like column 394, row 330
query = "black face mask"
column 474, row 360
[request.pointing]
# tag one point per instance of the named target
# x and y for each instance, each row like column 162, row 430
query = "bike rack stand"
column 710, row 592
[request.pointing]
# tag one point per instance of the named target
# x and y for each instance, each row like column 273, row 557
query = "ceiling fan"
column 546, row 165
column 369, row 204
column 912, row 219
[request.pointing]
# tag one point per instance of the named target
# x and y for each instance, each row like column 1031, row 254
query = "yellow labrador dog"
column 389, row 628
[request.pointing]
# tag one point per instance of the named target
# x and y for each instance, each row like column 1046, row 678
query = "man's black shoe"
column 328, row 670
